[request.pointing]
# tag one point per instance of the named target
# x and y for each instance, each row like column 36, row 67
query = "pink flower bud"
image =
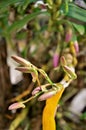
column 16, row 106
column 24, row 69
column 36, row 90
column 21, row 61
column 63, row 61
column 46, row 95
column 76, row 46
column 68, row 35
column 55, row 60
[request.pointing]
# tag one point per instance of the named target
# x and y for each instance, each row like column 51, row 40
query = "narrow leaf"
column 63, row 61
column 79, row 28
column 17, row 25
column 5, row 3
column 74, row 12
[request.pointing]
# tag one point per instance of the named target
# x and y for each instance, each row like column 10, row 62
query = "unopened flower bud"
column 21, row 61
column 68, row 35
column 24, row 69
column 36, row 90
column 63, row 61
column 46, row 95
column 58, row 2
column 55, row 60
column 75, row 61
column 76, row 46
column 69, row 58
column 16, row 106
column 72, row 48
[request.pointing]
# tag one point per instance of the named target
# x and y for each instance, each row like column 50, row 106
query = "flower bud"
column 58, row 2
column 55, row 60
column 21, row 61
column 76, row 46
column 16, row 106
column 25, row 69
column 36, row 90
column 46, row 95
column 50, row 2
column 72, row 48
column 63, row 61
column 68, row 35
column 75, row 61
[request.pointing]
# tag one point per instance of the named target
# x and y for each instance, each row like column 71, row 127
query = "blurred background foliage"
column 35, row 30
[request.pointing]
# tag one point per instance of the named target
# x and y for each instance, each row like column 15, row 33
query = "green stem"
column 29, row 99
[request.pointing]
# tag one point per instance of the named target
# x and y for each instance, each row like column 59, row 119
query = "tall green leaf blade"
column 74, row 12
column 5, row 3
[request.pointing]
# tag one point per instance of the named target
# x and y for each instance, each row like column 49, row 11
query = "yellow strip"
column 49, row 111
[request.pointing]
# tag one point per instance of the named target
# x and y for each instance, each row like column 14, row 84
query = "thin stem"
column 27, row 100
column 38, row 81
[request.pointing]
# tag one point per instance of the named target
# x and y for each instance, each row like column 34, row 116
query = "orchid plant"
column 61, row 30
column 42, row 92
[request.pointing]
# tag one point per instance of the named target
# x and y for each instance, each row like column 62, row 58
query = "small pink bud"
column 76, row 46
column 46, row 95
column 55, row 60
column 21, row 61
column 68, row 35
column 16, row 106
column 36, row 90
column 63, row 61
column 24, row 69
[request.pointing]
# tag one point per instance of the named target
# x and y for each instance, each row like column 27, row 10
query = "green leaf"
column 79, row 28
column 24, row 5
column 5, row 3
column 17, row 25
column 27, row 2
column 74, row 12
column 83, row 116
column 21, row 35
